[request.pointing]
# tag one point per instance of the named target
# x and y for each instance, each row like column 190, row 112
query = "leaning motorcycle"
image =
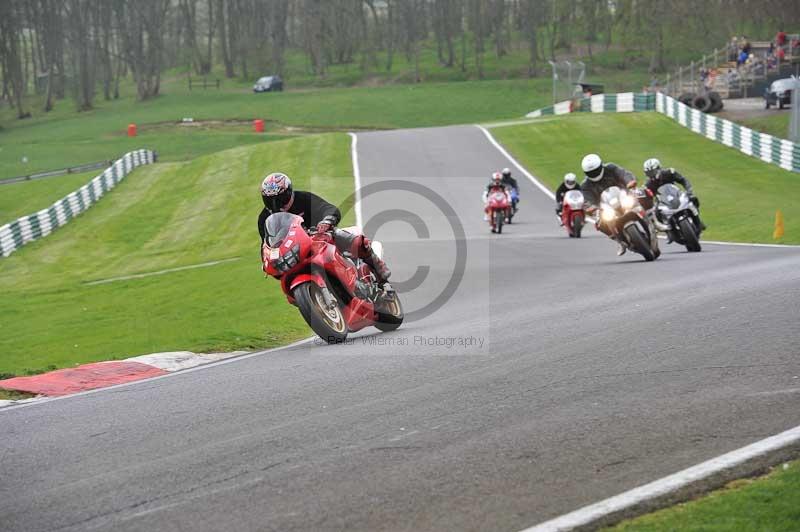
column 623, row 213
column 573, row 216
column 677, row 216
column 335, row 292
column 497, row 208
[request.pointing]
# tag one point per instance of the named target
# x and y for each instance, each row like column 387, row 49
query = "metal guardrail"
column 61, row 171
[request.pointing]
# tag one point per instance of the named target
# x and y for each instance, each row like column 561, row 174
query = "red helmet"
column 277, row 192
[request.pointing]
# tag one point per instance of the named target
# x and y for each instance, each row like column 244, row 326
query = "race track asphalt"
column 554, row 375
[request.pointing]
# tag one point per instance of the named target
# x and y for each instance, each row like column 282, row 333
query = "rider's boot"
column 377, row 264
column 623, row 247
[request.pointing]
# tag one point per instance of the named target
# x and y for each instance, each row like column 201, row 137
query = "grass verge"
column 768, row 503
column 163, row 216
column 776, row 124
column 74, row 138
column 740, row 195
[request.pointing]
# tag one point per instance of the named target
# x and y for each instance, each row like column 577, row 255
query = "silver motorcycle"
column 677, row 216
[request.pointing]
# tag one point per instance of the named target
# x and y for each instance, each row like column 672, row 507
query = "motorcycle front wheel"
column 327, row 322
column 639, row 243
column 689, row 235
column 577, row 225
column 498, row 221
column 393, row 317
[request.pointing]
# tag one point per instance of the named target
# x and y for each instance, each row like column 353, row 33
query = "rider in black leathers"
column 658, row 176
column 570, row 183
column 278, row 195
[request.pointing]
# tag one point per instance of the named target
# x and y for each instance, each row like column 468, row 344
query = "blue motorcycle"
column 514, row 193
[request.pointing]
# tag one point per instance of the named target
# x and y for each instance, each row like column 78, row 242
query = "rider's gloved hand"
column 323, row 227
column 695, row 200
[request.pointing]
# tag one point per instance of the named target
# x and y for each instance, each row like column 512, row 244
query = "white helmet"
column 592, row 166
column 571, row 180
column 651, row 167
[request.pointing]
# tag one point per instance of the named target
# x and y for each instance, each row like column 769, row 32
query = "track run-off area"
column 536, row 375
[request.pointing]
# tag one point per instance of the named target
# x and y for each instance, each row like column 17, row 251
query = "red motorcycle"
column 335, row 292
column 573, row 216
column 497, row 208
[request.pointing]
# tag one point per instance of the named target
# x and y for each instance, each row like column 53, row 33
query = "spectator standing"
column 742, row 59
column 780, row 38
column 746, row 46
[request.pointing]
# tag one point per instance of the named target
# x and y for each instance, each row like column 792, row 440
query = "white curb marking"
column 160, row 272
column 357, row 177
column 515, row 163
column 180, row 360
column 666, row 485
column 171, row 374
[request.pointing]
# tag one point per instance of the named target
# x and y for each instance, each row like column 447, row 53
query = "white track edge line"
column 668, row 484
column 169, row 374
column 160, row 272
column 521, row 168
column 356, row 177
column 552, row 196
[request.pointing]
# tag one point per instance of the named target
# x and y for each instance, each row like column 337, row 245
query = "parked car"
column 779, row 93
column 268, row 84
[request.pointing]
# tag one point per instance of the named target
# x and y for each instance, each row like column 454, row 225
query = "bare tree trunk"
column 10, row 25
column 223, row 39
column 390, row 31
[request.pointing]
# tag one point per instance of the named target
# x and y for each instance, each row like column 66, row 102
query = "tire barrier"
column 772, row 150
column 16, row 234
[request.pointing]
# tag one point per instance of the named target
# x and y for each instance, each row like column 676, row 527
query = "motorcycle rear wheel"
column 639, row 243
column 689, row 236
column 328, row 323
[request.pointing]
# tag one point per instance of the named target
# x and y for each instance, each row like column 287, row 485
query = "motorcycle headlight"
column 627, row 201
column 607, row 214
column 289, row 259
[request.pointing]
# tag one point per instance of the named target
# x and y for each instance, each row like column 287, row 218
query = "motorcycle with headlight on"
column 629, row 221
column 676, row 215
column 335, row 292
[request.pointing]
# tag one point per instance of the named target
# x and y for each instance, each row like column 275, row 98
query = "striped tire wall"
column 773, row 150
column 26, row 229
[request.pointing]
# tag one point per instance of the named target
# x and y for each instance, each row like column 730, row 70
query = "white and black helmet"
column 506, row 172
column 651, row 167
column 593, row 167
column 571, row 180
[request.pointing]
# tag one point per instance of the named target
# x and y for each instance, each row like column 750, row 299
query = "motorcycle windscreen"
column 574, row 198
column 669, row 195
column 278, row 226
column 611, row 196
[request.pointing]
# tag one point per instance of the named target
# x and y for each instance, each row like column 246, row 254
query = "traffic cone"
column 778, row 233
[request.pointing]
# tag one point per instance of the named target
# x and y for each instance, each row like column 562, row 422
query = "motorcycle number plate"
column 274, row 253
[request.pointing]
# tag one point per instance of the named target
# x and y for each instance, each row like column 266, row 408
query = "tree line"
column 81, row 48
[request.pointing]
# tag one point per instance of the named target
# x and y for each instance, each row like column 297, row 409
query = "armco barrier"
column 16, row 234
column 773, row 150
